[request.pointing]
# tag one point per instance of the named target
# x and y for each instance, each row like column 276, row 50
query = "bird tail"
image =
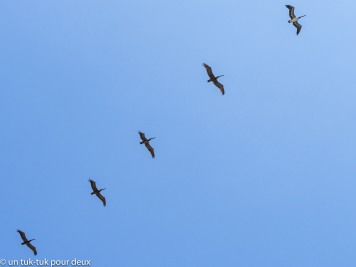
column 142, row 142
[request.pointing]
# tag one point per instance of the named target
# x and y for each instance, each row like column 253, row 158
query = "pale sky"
column 262, row 176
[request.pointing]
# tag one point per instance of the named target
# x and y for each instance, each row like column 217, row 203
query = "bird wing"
column 152, row 151
column 32, row 247
column 291, row 11
column 298, row 26
column 142, row 135
column 220, row 86
column 100, row 196
column 209, row 71
column 93, row 185
column 22, row 234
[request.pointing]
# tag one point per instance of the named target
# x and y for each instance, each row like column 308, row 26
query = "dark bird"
column 294, row 19
column 147, row 143
column 214, row 78
column 97, row 192
column 27, row 242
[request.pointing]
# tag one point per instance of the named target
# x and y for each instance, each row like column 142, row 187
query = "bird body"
column 294, row 19
column 147, row 143
column 213, row 78
column 27, row 242
column 97, row 191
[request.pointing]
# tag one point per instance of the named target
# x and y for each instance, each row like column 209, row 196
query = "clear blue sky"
column 262, row 176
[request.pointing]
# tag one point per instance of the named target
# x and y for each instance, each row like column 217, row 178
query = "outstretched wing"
column 22, row 234
column 298, row 26
column 93, row 185
column 291, row 11
column 220, row 86
column 152, row 151
column 142, row 135
column 209, row 71
column 100, row 196
column 33, row 248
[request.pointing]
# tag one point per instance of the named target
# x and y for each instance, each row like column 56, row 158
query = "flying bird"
column 294, row 19
column 97, row 192
column 147, row 143
column 214, row 78
column 27, row 242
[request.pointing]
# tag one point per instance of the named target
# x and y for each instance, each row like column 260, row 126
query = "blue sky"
column 262, row 176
